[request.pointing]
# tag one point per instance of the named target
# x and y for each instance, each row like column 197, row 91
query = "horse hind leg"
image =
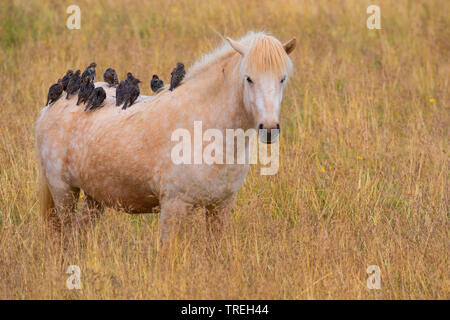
column 57, row 201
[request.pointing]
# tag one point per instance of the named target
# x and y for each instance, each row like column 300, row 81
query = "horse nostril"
column 278, row 126
column 260, row 127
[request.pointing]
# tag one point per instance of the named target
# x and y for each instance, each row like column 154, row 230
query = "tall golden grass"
column 364, row 164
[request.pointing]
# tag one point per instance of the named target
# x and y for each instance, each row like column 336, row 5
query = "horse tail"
column 47, row 205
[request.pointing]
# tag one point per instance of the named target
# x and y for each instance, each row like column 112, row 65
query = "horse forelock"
column 266, row 55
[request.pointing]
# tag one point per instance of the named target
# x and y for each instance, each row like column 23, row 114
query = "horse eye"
column 249, row 80
column 284, row 78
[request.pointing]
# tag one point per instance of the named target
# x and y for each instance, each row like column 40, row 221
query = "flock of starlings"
column 127, row 91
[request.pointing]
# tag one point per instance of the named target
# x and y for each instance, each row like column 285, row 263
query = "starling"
column 110, row 77
column 132, row 92
column 86, row 88
column 177, row 75
column 121, row 90
column 66, row 78
column 74, row 83
column 156, row 83
column 90, row 71
column 96, row 99
column 54, row 92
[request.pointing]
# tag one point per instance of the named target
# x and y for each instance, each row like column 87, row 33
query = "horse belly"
column 116, row 177
column 205, row 184
column 121, row 193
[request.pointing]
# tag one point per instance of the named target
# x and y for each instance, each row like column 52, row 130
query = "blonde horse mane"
column 265, row 54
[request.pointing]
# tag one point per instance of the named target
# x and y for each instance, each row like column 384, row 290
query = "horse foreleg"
column 217, row 216
column 173, row 212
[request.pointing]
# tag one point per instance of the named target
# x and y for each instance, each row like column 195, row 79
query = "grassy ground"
column 364, row 164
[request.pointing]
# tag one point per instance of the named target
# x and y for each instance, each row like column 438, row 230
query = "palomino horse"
column 122, row 158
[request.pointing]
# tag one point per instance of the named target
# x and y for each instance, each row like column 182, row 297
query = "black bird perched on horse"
column 177, row 74
column 96, row 99
column 54, row 92
column 132, row 92
column 110, row 77
column 74, row 84
column 66, row 78
column 122, row 88
column 90, row 71
column 156, row 84
column 86, row 88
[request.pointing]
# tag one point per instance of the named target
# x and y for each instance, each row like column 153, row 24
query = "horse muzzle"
column 268, row 135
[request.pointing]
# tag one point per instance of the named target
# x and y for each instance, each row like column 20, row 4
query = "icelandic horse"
column 122, row 158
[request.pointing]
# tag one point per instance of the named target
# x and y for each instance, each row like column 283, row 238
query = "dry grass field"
column 363, row 178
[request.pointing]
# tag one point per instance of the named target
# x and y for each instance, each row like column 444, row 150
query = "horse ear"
column 236, row 46
column 289, row 46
